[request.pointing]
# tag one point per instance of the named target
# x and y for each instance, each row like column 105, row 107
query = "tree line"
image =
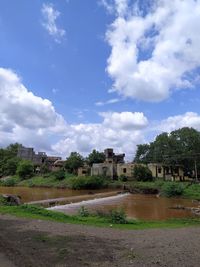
column 179, row 147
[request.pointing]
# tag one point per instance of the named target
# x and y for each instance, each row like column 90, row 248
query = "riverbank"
column 33, row 242
column 164, row 188
column 99, row 220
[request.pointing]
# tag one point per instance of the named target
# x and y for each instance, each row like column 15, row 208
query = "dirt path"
column 25, row 242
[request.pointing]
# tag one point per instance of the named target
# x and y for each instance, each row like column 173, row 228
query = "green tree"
column 95, row 157
column 181, row 147
column 25, row 169
column 73, row 162
column 142, row 173
column 10, row 166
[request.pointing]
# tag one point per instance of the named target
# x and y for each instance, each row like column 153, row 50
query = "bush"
column 90, row 182
column 83, row 212
column 142, row 173
column 25, row 169
column 12, row 181
column 123, row 178
column 118, row 216
column 59, row 175
column 172, row 189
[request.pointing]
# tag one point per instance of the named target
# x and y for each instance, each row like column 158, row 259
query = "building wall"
column 125, row 169
column 166, row 171
column 104, row 169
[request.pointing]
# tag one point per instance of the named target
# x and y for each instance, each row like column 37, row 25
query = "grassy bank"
column 34, row 212
column 168, row 189
column 53, row 180
column 164, row 188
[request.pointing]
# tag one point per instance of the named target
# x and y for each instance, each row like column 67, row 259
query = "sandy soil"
column 25, row 242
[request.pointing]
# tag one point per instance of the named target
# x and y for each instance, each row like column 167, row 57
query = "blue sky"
column 77, row 75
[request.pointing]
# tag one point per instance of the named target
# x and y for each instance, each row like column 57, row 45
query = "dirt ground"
column 25, row 242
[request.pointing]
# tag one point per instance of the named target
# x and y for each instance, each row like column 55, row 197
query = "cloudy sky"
column 77, row 75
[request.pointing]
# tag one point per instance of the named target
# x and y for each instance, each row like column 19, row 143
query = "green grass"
column 48, row 181
column 34, row 212
column 188, row 190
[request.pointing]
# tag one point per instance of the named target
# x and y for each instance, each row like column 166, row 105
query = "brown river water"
column 146, row 207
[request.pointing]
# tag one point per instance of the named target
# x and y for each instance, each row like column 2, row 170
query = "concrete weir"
column 75, row 199
column 86, row 202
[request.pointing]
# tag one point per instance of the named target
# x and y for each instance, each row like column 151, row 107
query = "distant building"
column 113, row 166
column 40, row 158
column 166, row 171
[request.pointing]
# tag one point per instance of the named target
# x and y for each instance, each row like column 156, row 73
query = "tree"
column 25, row 169
column 180, row 147
column 10, row 166
column 73, row 162
column 142, row 153
column 95, row 157
column 8, row 159
column 142, row 173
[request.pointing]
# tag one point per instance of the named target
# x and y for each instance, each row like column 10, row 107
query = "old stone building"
column 113, row 167
column 167, row 172
column 40, row 158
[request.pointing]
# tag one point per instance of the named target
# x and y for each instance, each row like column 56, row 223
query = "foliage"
column 73, row 162
column 83, row 212
column 8, row 159
column 95, row 157
column 172, row 189
column 118, row 216
column 178, row 147
column 11, row 181
column 59, row 175
column 142, row 173
column 25, row 169
column 87, row 182
column 123, row 178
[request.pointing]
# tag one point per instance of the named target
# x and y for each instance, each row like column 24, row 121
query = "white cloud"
column 25, row 117
column 110, row 101
column 122, row 131
column 33, row 121
column 50, row 15
column 156, row 52
column 124, row 120
column 189, row 119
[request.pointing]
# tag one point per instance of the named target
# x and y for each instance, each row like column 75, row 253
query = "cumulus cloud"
column 122, row 131
column 24, row 116
column 124, row 120
column 189, row 119
column 50, row 15
column 154, row 47
column 33, row 121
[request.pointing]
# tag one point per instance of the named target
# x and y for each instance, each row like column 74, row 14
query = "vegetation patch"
column 35, row 212
column 88, row 182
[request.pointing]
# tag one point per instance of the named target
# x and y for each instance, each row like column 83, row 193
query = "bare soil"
column 26, row 242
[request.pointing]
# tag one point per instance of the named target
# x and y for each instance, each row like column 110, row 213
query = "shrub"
column 142, row 173
column 172, row 189
column 25, row 169
column 118, row 216
column 11, row 181
column 90, row 182
column 123, row 178
column 59, row 175
column 83, row 212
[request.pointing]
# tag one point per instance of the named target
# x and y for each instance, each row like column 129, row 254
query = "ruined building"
column 113, row 167
column 40, row 158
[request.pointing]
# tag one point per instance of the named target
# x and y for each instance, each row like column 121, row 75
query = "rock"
column 12, row 200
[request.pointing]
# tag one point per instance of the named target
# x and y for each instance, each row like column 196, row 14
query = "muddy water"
column 37, row 193
column 147, row 207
